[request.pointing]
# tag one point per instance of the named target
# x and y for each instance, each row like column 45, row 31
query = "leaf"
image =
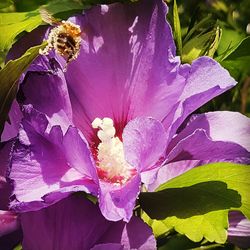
column 179, row 242
column 12, row 24
column 200, row 45
column 230, row 39
column 159, row 228
column 177, row 28
column 9, row 76
column 5, row 3
column 197, row 203
column 18, row 247
column 237, row 61
column 58, row 6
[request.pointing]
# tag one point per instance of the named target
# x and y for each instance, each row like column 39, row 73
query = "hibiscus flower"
column 117, row 115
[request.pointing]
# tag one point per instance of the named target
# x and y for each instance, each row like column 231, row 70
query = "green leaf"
column 5, row 3
column 230, row 39
column 12, row 24
column 200, row 45
column 159, row 228
column 177, row 29
column 18, row 247
column 179, row 242
column 63, row 6
column 197, row 203
column 237, row 61
column 9, row 76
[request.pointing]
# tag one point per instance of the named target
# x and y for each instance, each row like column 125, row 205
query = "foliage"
column 208, row 193
column 215, row 28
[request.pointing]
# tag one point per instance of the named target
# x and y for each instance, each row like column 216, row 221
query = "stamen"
column 111, row 164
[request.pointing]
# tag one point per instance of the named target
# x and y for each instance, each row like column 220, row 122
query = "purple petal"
column 117, row 202
column 48, row 93
column 11, row 240
column 206, row 79
column 213, row 136
column 239, row 230
column 145, row 142
column 133, row 235
column 73, row 223
column 127, row 64
column 11, row 129
column 5, row 188
column 43, row 169
column 110, row 246
column 171, row 170
column 8, row 222
column 80, row 157
column 76, row 223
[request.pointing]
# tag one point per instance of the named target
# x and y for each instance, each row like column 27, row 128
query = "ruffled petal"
column 11, row 127
column 110, row 246
column 205, row 80
column 212, row 136
column 43, row 168
column 117, row 202
column 77, row 224
column 73, row 223
column 145, row 142
column 127, row 65
column 8, row 222
column 133, row 235
column 239, row 230
column 48, row 93
column 171, row 170
column 5, row 188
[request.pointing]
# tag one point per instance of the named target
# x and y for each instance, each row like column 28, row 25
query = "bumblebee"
column 65, row 38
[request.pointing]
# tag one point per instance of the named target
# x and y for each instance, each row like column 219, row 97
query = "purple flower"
column 75, row 223
column 116, row 116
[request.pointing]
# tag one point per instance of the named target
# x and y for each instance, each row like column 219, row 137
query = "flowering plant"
column 106, row 149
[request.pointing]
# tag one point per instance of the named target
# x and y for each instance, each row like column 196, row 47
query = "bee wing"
column 47, row 17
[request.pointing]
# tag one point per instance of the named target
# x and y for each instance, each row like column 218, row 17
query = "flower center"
column 111, row 164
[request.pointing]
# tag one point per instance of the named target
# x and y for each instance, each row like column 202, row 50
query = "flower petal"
column 171, row 170
column 239, row 230
column 73, row 223
column 206, row 79
column 127, row 64
column 133, row 235
column 110, row 246
column 213, row 136
column 117, row 202
column 9, row 222
column 48, row 93
column 41, row 168
column 5, row 188
column 145, row 142
column 11, row 129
